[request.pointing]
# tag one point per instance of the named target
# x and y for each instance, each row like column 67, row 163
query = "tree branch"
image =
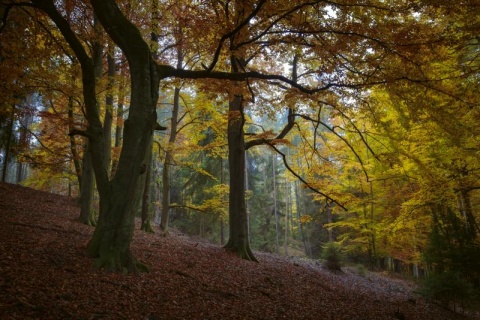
column 233, row 32
column 285, row 162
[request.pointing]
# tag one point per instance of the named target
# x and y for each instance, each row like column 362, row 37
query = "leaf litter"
column 45, row 273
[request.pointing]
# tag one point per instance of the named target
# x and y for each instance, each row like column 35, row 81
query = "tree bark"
column 275, row 206
column 8, row 146
column 166, row 174
column 110, row 243
column 238, row 241
column 73, row 143
column 88, row 176
column 119, row 123
column 86, row 189
column 108, row 119
column 146, row 210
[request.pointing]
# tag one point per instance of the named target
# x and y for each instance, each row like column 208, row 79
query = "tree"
column 345, row 48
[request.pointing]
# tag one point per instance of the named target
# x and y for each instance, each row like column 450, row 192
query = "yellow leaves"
column 305, row 219
column 216, row 202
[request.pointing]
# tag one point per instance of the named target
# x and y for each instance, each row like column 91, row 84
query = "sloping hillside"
column 45, row 274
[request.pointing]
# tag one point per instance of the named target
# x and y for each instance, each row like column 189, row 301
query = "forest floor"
column 46, row 274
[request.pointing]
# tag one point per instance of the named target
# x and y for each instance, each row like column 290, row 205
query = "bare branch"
column 233, row 32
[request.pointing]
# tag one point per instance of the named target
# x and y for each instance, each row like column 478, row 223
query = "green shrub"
column 448, row 288
column 361, row 271
column 332, row 254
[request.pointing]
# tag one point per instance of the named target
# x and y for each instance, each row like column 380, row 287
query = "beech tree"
column 339, row 49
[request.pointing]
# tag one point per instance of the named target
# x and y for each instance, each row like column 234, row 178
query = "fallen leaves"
column 46, row 274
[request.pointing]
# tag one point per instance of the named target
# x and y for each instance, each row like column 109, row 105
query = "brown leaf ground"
column 45, row 274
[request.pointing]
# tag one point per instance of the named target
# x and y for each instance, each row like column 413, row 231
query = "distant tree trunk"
column 247, row 188
column 275, row 206
column 166, row 174
column 73, row 143
column 328, row 211
column 287, row 210
column 372, row 230
column 9, row 144
column 23, row 144
column 300, row 210
column 471, row 225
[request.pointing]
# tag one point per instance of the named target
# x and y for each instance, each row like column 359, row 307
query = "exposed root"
column 244, row 253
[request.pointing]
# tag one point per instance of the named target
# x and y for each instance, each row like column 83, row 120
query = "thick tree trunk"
column 146, row 210
column 110, row 243
column 238, row 241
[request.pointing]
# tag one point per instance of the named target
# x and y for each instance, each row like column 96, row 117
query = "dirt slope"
column 45, row 274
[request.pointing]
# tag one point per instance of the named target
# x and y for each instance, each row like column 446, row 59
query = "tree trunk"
column 110, row 243
column 108, row 119
column 275, row 206
column 238, row 241
column 86, row 189
column 8, row 146
column 166, row 174
column 88, row 179
column 73, row 143
column 119, row 123
column 146, row 211
column 287, row 210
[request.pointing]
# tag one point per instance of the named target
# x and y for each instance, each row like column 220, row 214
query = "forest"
column 345, row 131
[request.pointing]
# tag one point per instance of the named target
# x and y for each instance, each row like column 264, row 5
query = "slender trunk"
column 118, row 125
column 372, row 229
column 300, row 210
column 9, row 144
column 73, row 143
column 165, row 210
column 86, row 190
column 222, row 221
column 166, row 175
column 275, row 209
column 467, row 213
column 328, row 210
column 246, row 188
column 108, row 119
column 88, row 178
column 287, row 210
